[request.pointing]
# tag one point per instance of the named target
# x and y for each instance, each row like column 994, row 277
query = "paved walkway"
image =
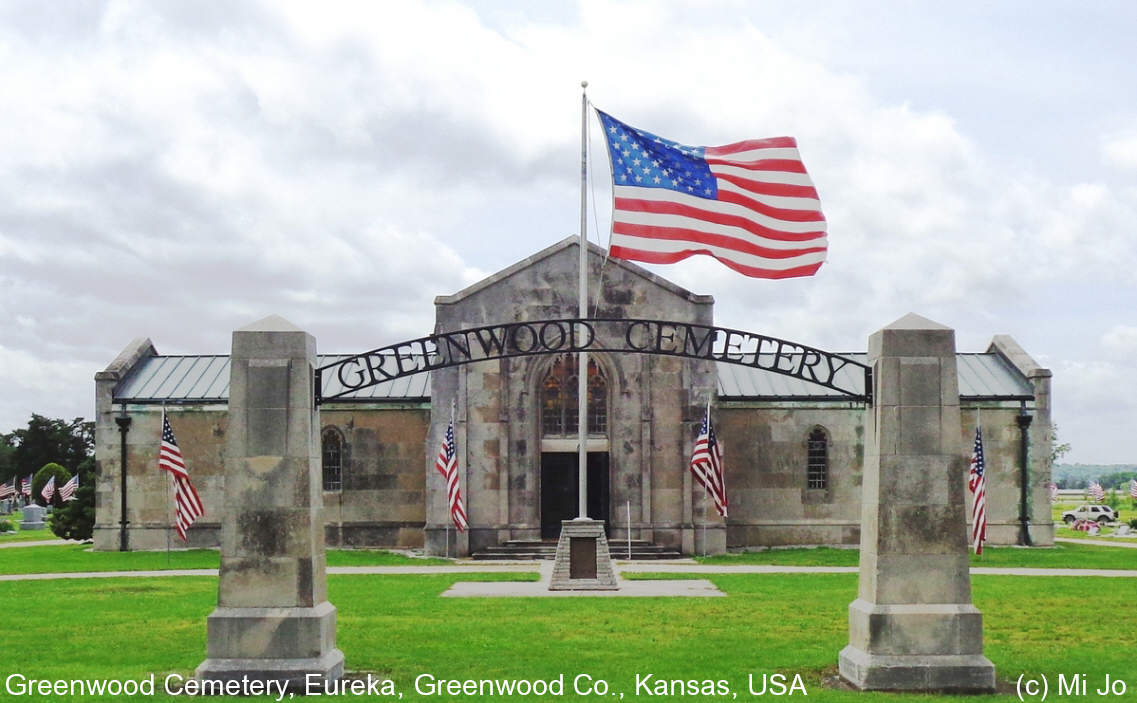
column 1099, row 542
column 682, row 567
column 40, row 543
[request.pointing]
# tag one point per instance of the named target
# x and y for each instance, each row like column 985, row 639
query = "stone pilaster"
column 913, row 626
column 273, row 620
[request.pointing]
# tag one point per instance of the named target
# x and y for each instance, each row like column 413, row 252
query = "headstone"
column 33, row 517
column 273, row 621
column 913, row 626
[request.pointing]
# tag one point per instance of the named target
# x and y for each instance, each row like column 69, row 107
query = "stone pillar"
column 273, row 620
column 913, row 626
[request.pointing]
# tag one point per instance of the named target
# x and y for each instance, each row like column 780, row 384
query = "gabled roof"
column 572, row 243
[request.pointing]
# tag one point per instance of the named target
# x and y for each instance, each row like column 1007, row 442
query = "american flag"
column 751, row 204
column 1052, row 488
column 67, row 490
column 1133, row 489
column 48, row 490
column 187, row 504
column 8, row 489
column 1097, row 492
column 706, row 463
column 977, row 484
column 447, row 465
column 27, row 487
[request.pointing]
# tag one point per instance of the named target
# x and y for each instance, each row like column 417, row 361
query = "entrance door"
column 560, row 490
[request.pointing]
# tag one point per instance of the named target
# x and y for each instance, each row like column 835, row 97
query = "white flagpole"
column 628, row 507
column 582, row 356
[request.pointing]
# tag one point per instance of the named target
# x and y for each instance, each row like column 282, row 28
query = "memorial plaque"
column 582, row 558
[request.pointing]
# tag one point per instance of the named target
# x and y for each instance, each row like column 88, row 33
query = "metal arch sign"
column 639, row 336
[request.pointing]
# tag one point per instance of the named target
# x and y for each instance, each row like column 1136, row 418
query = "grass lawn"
column 19, row 535
column 397, row 627
column 71, row 558
column 1060, row 556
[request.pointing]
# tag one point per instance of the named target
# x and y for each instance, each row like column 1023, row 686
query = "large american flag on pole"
column 706, row 463
column 187, row 503
column 751, row 204
column 977, row 484
column 447, row 465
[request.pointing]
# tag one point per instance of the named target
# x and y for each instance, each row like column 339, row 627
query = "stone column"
column 913, row 626
column 273, row 621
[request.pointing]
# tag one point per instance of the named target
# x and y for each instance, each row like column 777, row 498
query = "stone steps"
column 529, row 550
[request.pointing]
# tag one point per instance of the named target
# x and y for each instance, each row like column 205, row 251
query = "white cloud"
column 176, row 173
column 1121, row 150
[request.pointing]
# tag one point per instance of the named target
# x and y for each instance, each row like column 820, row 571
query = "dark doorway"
column 560, row 491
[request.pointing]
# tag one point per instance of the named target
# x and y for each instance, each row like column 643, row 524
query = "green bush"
column 41, row 478
column 7, row 526
column 1133, row 524
column 75, row 519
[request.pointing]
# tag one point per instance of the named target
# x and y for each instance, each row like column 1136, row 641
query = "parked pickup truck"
column 1098, row 513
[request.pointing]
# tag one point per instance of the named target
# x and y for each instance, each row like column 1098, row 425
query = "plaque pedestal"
column 583, row 562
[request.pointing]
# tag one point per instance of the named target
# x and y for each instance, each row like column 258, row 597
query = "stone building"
column 793, row 450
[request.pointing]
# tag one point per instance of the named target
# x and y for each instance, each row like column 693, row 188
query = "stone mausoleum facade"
column 794, row 451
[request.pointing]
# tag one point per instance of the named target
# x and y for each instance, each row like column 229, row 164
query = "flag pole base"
column 583, row 562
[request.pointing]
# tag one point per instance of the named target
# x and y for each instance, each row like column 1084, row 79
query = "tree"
column 75, row 519
column 44, row 475
column 1058, row 450
column 46, row 440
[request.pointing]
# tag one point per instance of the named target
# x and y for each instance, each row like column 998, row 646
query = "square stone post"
column 913, row 626
column 273, row 621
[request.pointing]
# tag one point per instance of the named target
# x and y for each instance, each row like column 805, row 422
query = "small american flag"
column 1097, row 492
column 8, row 489
column 751, row 204
column 48, row 490
column 27, row 487
column 447, row 465
column 1133, row 489
column 1052, row 488
column 706, row 463
column 977, row 484
column 187, row 503
column 67, row 490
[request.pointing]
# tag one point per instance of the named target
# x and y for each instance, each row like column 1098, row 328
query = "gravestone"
column 913, row 626
column 33, row 517
column 273, row 621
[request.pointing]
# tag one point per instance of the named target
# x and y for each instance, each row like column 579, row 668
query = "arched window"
column 559, row 402
column 332, row 444
column 817, row 459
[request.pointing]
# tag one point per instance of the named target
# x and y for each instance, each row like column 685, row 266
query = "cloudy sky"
column 176, row 170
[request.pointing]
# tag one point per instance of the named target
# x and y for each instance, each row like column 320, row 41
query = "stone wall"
column 383, row 501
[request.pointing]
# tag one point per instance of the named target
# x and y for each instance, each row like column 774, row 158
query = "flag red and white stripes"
column 751, row 204
column 706, row 463
column 977, row 484
column 8, row 489
column 1096, row 491
column 48, row 490
column 67, row 490
column 1133, row 489
column 26, row 489
column 187, row 503
column 447, row 465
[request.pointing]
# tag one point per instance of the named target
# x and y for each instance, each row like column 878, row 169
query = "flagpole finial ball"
column 584, row 84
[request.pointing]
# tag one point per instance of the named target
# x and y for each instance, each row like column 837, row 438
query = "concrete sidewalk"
column 625, row 567
column 1099, row 542
column 38, row 543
